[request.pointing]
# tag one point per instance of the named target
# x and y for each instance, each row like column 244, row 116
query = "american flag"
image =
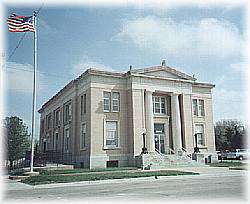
column 20, row 23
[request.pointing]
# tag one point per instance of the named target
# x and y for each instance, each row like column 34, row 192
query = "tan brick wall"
column 138, row 120
column 188, row 124
column 98, row 118
column 207, row 120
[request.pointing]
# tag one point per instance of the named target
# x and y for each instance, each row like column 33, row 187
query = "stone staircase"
column 156, row 160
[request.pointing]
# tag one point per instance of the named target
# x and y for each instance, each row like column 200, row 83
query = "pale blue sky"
column 205, row 41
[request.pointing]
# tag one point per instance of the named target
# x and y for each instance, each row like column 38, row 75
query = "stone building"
column 100, row 117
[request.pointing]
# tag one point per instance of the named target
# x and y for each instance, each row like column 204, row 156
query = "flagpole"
column 34, row 95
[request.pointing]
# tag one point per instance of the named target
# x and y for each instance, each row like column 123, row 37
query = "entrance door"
column 160, row 136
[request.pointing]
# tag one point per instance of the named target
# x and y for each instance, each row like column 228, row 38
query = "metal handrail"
column 171, row 151
column 157, row 151
column 187, row 155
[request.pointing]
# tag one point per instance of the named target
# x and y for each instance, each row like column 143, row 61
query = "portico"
column 155, row 133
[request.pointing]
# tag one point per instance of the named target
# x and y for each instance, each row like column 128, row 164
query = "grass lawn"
column 88, row 176
column 229, row 164
column 239, row 168
column 74, row 171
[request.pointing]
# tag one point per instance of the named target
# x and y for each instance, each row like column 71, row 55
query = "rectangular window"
column 57, row 118
column 115, row 101
column 198, row 107
column 83, row 137
column 67, row 112
column 56, row 141
column 81, row 105
column 66, row 146
column 199, row 131
column 48, row 122
column 42, row 126
column 106, row 101
column 84, row 103
column 111, row 134
column 201, row 108
column 195, row 107
column 163, row 105
column 159, row 105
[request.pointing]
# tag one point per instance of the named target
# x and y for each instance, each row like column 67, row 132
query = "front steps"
column 155, row 160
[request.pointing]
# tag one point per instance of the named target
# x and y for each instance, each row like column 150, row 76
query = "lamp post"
column 144, row 148
column 196, row 149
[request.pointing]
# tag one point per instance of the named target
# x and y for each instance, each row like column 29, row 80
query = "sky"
column 208, row 41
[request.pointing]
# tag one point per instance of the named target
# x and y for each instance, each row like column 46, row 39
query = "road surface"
column 229, row 186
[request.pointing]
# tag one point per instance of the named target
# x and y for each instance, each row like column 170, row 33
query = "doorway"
column 159, row 137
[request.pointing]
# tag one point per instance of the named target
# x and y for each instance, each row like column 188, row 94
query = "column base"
column 179, row 152
column 144, row 150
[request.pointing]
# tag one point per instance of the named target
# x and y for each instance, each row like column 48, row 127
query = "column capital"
column 148, row 90
column 174, row 94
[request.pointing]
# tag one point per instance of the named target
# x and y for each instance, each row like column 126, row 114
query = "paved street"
column 227, row 185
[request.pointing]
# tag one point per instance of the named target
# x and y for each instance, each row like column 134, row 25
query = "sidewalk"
column 15, row 185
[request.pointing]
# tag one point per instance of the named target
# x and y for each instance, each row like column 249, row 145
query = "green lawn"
column 239, row 168
column 229, row 164
column 74, row 171
column 64, row 178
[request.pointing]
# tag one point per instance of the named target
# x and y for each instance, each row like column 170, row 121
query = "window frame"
column 42, row 126
column 66, row 140
column 115, row 99
column 159, row 102
column 116, row 146
column 67, row 112
column 108, row 99
column 56, row 140
column 203, row 139
column 201, row 107
column 49, row 122
column 84, row 103
column 83, row 106
column 57, row 123
column 83, row 138
column 198, row 108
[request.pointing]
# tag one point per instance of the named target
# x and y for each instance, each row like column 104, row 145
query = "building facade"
column 100, row 117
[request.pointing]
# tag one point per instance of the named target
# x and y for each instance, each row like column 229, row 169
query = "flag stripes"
column 20, row 23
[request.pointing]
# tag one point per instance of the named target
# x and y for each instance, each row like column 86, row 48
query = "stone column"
column 149, row 122
column 176, row 123
column 166, row 129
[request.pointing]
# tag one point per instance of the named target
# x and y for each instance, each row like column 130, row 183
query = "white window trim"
column 84, row 103
column 81, row 105
column 54, row 142
column 109, row 98
column 49, row 125
column 66, row 150
column 153, row 101
column 58, row 110
column 69, row 104
column 112, row 104
column 85, row 147
column 198, row 110
column 204, row 136
column 105, row 147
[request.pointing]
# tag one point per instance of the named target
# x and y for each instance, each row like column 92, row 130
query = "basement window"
column 113, row 163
